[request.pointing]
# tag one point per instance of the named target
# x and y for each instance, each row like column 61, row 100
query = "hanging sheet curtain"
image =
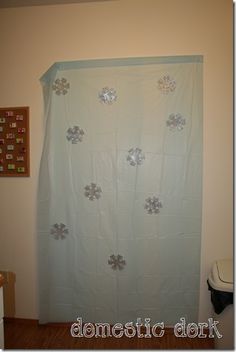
column 119, row 201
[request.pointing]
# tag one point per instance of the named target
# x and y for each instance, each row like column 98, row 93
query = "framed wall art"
column 14, row 142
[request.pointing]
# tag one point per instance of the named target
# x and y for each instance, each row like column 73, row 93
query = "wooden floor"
column 29, row 335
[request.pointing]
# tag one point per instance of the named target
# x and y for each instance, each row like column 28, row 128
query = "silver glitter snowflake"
column 75, row 134
column 61, row 86
column 135, row 156
column 166, row 84
column 92, row 191
column 59, row 231
column 117, row 262
column 153, row 205
column 175, row 122
column 107, row 95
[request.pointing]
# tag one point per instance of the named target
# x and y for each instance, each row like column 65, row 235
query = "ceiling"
column 20, row 3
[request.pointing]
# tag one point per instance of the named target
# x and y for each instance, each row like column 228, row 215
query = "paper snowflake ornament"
column 117, row 262
column 75, row 134
column 166, row 84
column 135, row 156
column 92, row 191
column 59, row 231
column 61, row 86
column 153, row 205
column 175, row 122
column 107, row 95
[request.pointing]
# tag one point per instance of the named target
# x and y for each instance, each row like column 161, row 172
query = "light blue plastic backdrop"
column 119, row 201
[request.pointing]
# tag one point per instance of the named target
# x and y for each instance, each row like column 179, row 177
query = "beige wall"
column 33, row 38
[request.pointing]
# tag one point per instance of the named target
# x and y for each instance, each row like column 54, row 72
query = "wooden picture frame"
column 14, row 142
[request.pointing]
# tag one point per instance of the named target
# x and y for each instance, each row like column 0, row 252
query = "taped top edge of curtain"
column 70, row 65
